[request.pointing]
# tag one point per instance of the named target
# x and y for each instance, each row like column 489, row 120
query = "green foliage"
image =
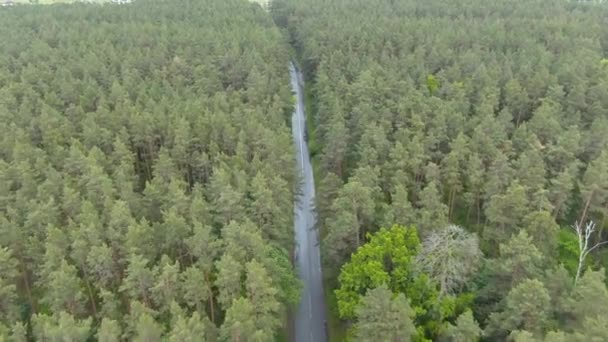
column 544, row 231
column 147, row 330
column 568, row 250
column 452, row 306
column 262, row 294
column 519, row 259
column 229, row 277
column 8, row 288
column 433, row 214
column 589, row 299
column 146, row 164
column 506, row 212
column 593, row 330
column 526, row 308
column 109, row 331
column 466, row 329
column 60, row 327
column 353, row 210
column 432, row 83
column 388, row 259
column 283, row 275
column 188, row 329
column 239, row 323
column 380, row 316
column 487, row 114
column 145, row 161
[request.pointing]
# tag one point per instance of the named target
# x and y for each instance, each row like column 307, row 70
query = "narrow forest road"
column 310, row 315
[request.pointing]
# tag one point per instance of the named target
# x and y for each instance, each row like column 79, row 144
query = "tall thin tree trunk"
column 478, row 211
column 556, row 211
column 212, row 307
column 147, row 301
column 587, row 204
column 28, row 289
column 211, row 298
column 91, row 297
column 148, row 160
column 581, row 260
column 190, row 177
column 451, row 204
column 357, row 234
column 518, row 119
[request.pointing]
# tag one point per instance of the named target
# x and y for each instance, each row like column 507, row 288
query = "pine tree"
column 519, row 260
column 400, row 210
column 186, row 329
column 64, row 292
column 147, row 330
column 433, row 214
column 240, row 321
column 167, row 287
column 262, row 295
column 543, row 230
column 527, row 308
column 594, row 187
column 384, row 316
column 139, row 279
column 8, row 289
column 466, row 329
column 505, row 213
column 109, row 331
column 589, row 298
column 228, row 280
column 60, row 327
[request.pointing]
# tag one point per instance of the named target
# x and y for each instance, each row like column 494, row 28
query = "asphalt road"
column 310, row 318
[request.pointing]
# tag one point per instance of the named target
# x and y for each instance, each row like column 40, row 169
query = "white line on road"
column 299, row 120
column 310, row 306
column 301, row 138
column 307, row 253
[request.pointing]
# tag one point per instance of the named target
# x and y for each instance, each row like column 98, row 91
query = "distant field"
column 47, row 2
column 263, row 3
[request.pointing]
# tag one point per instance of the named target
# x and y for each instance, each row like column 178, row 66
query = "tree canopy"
column 146, row 172
column 491, row 116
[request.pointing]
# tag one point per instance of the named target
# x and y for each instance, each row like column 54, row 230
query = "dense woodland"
column 476, row 133
column 146, row 173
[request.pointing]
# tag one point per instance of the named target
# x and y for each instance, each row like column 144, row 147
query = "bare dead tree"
column 450, row 256
column 584, row 235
